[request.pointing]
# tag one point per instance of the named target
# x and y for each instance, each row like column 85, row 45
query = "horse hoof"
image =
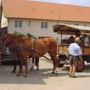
column 13, row 72
column 56, row 73
column 19, row 74
column 31, row 68
column 53, row 72
column 25, row 75
column 37, row 69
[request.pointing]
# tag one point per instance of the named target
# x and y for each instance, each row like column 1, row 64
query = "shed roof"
column 71, row 29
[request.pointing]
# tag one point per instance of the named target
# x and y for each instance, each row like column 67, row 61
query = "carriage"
column 72, row 30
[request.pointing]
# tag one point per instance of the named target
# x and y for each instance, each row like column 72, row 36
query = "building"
column 0, row 14
column 38, row 18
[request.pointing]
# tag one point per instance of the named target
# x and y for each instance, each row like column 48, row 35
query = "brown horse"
column 25, row 47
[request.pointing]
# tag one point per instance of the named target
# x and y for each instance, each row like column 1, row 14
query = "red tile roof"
column 41, row 10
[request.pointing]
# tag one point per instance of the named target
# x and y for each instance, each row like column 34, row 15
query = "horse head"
column 3, row 44
column 7, row 38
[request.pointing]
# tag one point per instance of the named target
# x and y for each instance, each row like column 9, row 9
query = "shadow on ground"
column 87, row 68
column 34, row 77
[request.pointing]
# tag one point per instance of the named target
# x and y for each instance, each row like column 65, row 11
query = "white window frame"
column 18, row 23
column 44, row 25
column 29, row 23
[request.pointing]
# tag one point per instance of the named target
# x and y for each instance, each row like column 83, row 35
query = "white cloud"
column 76, row 2
column 56, row 1
column 65, row 1
column 86, row 0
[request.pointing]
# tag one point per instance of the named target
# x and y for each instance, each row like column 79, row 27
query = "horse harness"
column 22, row 47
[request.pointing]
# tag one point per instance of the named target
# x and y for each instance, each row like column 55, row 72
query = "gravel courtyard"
column 43, row 79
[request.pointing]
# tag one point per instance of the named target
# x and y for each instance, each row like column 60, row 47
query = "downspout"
column 1, row 9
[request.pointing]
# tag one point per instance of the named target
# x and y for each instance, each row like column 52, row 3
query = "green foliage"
column 31, row 35
column 18, row 34
column 22, row 35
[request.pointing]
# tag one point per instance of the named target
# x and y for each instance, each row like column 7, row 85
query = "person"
column 71, row 39
column 86, row 41
column 36, row 62
column 75, row 53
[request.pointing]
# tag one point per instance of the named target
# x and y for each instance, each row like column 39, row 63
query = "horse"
column 4, row 46
column 26, row 47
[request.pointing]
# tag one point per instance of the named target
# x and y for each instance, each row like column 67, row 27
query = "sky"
column 73, row 2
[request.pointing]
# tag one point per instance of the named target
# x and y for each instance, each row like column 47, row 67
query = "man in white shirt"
column 86, row 41
column 75, row 53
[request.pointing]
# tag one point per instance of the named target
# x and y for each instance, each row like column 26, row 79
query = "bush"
column 18, row 34
column 30, row 35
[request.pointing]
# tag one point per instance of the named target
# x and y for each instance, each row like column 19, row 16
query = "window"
column 29, row 23
column 18, row 23
column 44, row 24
